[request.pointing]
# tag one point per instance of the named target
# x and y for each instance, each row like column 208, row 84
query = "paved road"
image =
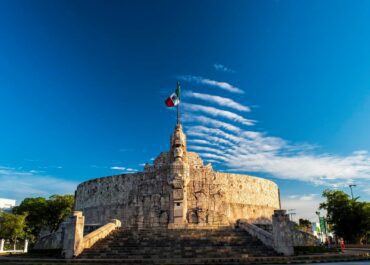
column 342, row 263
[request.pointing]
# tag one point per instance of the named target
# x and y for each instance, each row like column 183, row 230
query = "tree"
column 43, row 212
column 348, row 217
column 59, row 207
column 12, row 226
column 35, row 209
column 305, row 225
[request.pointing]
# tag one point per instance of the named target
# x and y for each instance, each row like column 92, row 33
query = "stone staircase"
column 177, row 244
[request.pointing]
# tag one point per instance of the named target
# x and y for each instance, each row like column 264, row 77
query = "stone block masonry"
column 177, row 190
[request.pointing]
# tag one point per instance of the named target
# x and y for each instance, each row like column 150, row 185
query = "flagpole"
column 178, row 114
column 178, row 105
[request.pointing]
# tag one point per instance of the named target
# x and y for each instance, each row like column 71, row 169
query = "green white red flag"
column 174, row 99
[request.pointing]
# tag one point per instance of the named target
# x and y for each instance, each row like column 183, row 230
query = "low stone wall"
column 90, row 239
column 301, row 238
column 265, row 237
column 70, row 238
column 51, row 241
column 284, row 236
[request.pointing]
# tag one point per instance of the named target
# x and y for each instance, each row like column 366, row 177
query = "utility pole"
column 350, row 186
column 291, row 213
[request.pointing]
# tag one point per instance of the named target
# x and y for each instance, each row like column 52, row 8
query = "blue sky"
column 283, row 88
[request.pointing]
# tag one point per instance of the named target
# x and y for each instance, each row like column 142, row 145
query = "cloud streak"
column 304, row 205
column 243, row 150
column 118, row 168
column 206, row 149
column 254, row 152
column 221, row 101
column 222, row 68
column 125, row 169
column 205, row 81
column 209, row 121
column 218, row 113
column 18, row 184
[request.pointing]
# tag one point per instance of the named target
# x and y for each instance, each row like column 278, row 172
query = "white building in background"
column 6, row 204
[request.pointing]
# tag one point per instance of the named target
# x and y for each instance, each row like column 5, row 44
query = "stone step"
column 169, row 249
column 177, row 243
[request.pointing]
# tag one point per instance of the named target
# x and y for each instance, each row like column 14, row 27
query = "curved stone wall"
column 216, row 197
column 143, row 199
column 140, row 199
column 178, row 189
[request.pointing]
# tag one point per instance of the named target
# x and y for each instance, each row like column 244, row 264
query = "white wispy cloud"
column 205, row 81
column 198, row 141
column 213, row 161
column 241, row 150
column 19, row 184
column 255, row 152
column 210, row 138
column 118, row 168
column 124, row 169
column 366, row 190
column 206, row 149
column 319, row 169
column 304, row 206
column 222, row 68
column 221, row 101
column 218, row 113
column 211, row 122
column 213, row 131
column 213, row 156
column 304, row 197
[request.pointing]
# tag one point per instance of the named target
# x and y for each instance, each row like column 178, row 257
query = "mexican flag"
column 174, row 99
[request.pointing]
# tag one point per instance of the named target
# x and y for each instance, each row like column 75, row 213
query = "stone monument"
column 178, row 190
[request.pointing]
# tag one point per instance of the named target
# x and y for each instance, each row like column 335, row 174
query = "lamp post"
column 350, row 186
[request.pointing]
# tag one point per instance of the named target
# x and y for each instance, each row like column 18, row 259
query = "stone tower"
column 178, row 177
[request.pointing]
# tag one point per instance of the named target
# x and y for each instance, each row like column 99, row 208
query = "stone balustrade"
column 284, row 237
column 74, row 242
column 90, row 239
column 255, row 231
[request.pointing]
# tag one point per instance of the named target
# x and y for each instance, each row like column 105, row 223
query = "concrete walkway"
column 338, row 259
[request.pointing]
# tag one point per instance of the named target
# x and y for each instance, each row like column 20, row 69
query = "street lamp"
column 350, row 186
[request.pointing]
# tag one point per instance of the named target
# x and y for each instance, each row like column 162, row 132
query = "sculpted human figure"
column 178, row 153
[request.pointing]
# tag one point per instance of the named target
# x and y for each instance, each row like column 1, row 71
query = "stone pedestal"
column 73, row 235
column 282, row 234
